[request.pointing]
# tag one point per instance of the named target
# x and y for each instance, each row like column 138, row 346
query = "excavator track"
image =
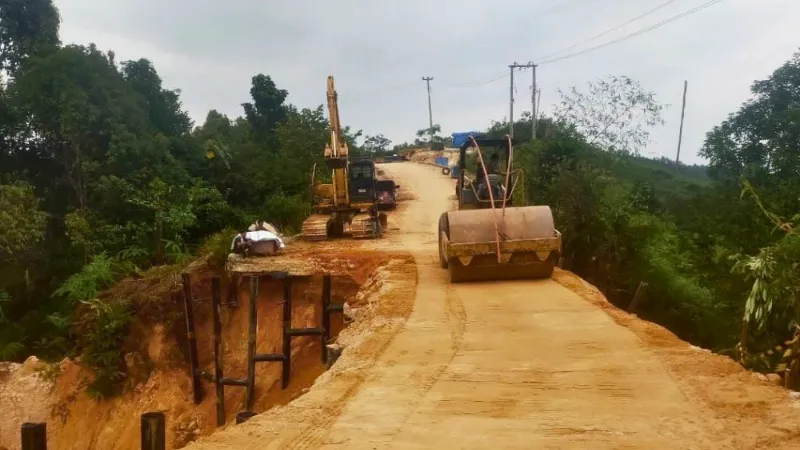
column 315, row 228
column 363, row 226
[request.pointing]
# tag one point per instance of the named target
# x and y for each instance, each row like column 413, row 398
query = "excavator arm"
column 336, row 152
column 344, row 206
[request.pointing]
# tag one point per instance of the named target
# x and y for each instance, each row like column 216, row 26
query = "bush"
column 217, row 247
column 88, row 283
column 286, row 212
column 103, row 334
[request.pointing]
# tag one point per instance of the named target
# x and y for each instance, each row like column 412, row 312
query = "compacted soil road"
column 520, row 365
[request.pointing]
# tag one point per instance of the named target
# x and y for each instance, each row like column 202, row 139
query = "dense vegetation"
column 718, row 248
column 103, row 175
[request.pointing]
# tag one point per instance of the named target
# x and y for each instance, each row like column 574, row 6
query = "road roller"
column 488, row 237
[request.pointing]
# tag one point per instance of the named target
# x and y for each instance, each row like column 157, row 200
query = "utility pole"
column 538, row 101
column 534, row 109
column 680, row 133
column 511, row 101
column 533, row 98
column 427, row 81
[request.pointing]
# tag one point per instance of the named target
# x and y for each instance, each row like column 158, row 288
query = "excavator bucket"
column 525, row 245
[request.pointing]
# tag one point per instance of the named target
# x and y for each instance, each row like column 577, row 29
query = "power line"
column 369, row 94
column 478, row 83
column 628, row 36
column 640, row 16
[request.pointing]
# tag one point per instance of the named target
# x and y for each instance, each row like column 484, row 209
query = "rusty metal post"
column 153, row 431
column 287, row 325
column 216, row 294
column 197, row 388
column 326, row 316
column 34, row 436
column 251, row 344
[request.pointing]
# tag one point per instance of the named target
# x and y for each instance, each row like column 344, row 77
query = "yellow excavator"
column 488, row 237
column 348, row 205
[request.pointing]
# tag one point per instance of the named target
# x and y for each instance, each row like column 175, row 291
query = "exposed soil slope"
column 157, row 363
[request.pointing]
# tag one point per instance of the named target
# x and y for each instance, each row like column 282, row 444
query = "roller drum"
column 518, row 223
column 529, row 245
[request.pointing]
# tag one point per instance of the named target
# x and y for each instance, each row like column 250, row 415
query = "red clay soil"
column 157, row 360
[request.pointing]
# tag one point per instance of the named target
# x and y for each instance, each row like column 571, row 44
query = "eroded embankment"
column 742, row 407
column 156, row 357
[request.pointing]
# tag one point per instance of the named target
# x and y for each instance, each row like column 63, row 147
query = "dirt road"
column 531, row 364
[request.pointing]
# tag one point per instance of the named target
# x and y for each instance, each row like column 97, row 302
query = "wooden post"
column 326, row 316
column 233, row 291
column 638, row 296
column 287, row 325
column 216, row 294
column 197, row 388
column 251, row 344
column 153, row 431
column 34, row 436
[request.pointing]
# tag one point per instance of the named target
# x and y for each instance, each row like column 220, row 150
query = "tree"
column 430, row 136
column 267, row 108
column 27, row 27
column 614, row 114
column 377, row 144
column 163, row 105
column 760, row 140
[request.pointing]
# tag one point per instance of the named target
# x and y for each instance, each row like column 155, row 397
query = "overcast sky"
column 379, row 50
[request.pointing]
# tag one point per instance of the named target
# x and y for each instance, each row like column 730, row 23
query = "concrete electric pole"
column 511, row 100
column 680, row 133
column 533, row 99
column 427, row 81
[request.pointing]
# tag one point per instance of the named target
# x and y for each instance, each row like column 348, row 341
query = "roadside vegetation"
column 716, row 245
column 104, row 176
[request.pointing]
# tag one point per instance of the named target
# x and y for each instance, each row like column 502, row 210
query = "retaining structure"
column 248, row 382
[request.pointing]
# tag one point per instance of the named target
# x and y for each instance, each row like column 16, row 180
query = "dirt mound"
column 25, row 393
column 429, row 156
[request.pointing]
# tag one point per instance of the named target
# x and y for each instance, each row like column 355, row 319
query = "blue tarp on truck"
column 460, row 138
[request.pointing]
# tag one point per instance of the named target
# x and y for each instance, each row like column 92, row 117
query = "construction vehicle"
column 348, row 205
column 488, row 237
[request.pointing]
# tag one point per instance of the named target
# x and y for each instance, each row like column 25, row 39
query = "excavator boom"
column 336, row 152
column 343, row 206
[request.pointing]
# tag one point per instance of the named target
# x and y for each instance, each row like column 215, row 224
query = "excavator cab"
column 363, row 178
